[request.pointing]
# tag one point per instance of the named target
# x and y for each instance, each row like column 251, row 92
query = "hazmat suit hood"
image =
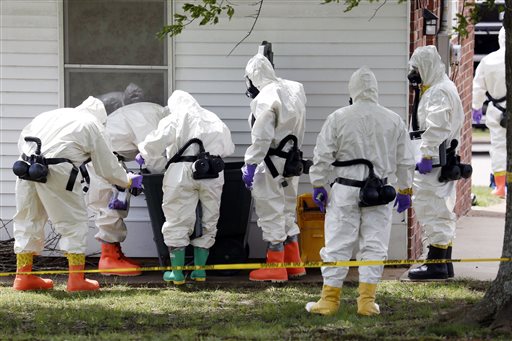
column 428, row 62
column 181, row 103
column 260, row 71
column 363, row 85
column 94, row 107
column 501, row 38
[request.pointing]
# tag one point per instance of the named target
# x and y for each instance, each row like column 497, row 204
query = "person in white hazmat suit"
column 126, row 128
column 277, row 111
column 489, row 85
column 363, row 130
column 68, row 137
column 183, row 186
column 440, row 115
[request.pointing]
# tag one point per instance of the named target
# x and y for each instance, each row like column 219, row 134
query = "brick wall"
column 463, row 78
column 464, row 81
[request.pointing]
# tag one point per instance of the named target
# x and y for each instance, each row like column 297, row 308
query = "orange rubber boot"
column 292, row 255
column 77, row 280
column 272, row 275
column 500, row 189
column 29, row 282
column 113, row 258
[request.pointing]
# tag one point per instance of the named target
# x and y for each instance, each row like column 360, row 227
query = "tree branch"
column 376, row 10
column 250, row 30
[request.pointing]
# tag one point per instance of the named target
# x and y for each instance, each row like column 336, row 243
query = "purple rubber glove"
column 116, row 204
column 477, row 115
column 136, row 180
column 320, row 197
column 139, row 159
column 403, row 201
column 248, row 174
column 424, row 166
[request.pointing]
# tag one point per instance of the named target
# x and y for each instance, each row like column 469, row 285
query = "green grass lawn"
column 484, row 196
column 480, row 133
column 255, row 312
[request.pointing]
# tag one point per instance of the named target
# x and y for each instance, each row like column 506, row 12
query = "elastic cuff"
column 407, row 191
column 24, row 259
column 500, row 173
column 439, row 246
column 428, row 157
column 75, row 259
column 291, row 239
column 275, row 246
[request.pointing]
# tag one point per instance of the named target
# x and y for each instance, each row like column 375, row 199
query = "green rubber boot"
column 200, row 257
column 177, row 259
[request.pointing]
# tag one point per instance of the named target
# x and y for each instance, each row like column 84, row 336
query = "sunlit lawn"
column 484, row 196
column 256, row 312
column 480, row 134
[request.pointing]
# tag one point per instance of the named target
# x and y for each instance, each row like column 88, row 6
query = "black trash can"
column 231, row 241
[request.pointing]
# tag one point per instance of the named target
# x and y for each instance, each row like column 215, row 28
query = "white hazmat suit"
column 126, row 128
column 181, row 193
column 279, row 110
column 76, row 134
column 441, row 115
column 363, row 130
column 490, row 77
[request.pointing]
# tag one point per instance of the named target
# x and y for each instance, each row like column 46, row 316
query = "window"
column 111, row 51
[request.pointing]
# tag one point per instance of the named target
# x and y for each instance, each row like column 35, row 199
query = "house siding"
column 29, row 79
column 317, row 45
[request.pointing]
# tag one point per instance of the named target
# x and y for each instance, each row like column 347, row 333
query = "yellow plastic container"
column 311, row 224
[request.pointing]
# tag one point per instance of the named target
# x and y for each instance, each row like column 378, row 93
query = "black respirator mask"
column 454, row 169
column 207, row 166
column 414, row 77
column 503, row 120
column 252, row 91
column 295, row 165
column 34, row 168
column 375, row 192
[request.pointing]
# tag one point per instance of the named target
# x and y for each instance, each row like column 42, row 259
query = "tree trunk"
column 495, row 309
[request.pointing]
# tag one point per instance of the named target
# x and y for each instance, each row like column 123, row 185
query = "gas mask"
column 453, row 169
column 414, row 77
column 204, row 165
column 503, row 120
column 207, row 166
column 375, row 192
column 252, row 91
column 295, row 165
column 34, row 167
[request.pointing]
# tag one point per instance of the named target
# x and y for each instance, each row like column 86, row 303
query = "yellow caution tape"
column 251, row 266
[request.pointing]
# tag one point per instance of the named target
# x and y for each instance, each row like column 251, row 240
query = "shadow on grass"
column 409, row 311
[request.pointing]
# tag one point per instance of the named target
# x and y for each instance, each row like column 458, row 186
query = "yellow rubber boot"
column 366, row 301
column 500, row 180
column 328, row 304
column 29, row 282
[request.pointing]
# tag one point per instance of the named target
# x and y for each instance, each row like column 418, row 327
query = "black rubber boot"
column 431, row 271
column 449, row 266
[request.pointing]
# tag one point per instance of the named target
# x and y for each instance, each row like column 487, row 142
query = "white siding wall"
column 29, row 79
column 317, row 45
